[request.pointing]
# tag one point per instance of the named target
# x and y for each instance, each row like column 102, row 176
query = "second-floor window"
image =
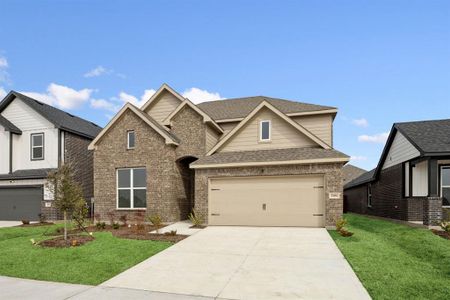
column 264, row 131
column 37, row 146
column 131, row 139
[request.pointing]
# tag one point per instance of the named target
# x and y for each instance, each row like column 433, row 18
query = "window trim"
column 32, row 146
column 369, row 195
column 261, row 129
column 128, row 139
column 440, row 182
column 131, row 188
column 406, row 180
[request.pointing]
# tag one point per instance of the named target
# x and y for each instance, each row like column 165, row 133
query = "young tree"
column 67, row 193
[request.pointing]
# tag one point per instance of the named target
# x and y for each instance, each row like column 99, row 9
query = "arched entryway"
column 188, row 178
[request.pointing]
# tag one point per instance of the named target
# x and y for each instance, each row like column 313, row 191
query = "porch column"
column 433, row 178
column 432, row 205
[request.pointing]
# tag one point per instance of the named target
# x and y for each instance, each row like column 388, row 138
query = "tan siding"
column 283, row 135
column 400, row 151
column 211, row 138
column 227, row 127
column 320, row 125
column 163, row 106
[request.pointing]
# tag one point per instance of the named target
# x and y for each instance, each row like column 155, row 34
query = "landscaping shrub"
column 172, row 232
column 100, row 225
column 115, row 226
column 25, row 222
column 195, row 219
column 155, row 220
column 445, row 226
column 340, row 224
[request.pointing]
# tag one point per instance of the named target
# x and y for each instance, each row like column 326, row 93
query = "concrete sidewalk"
column 19, row 289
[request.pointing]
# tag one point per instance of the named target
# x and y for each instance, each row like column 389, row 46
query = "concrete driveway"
column 9, row 223
column 248, row 263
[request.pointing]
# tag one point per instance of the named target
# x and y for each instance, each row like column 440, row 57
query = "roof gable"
column 169, row 137
column 163, row 88
column 250, row 116
column 187, row 102
column 59, row 118
column 9, row 126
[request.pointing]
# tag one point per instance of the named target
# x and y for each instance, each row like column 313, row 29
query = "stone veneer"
column 166, row 194
column 333, row 183
column 432, row 208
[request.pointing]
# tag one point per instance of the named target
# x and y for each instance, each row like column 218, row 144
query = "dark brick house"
column 36, row 138
column 412, row 179
column 247, row 161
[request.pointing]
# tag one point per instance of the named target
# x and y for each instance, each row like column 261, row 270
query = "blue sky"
column 379, row 62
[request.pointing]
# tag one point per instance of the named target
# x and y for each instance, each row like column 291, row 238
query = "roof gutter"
column 271, row 163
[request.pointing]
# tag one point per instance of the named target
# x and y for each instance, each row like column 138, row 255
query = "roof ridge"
column 52, row 107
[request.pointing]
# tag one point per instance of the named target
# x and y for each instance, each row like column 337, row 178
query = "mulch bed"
column 145, row 235
column 126, row 232
column 36, row 224
column 442, row 234
column 72, row 241
column 198, row 226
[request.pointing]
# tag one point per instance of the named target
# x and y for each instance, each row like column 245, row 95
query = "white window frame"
column 33, row 146
column 128, row 139
column 131, row 188
column 261, row 130
column 369, row 195
column 443, row 186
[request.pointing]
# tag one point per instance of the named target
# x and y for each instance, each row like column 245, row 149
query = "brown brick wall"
column 332, row 173
column 355, row 199
column 387, row 198
column 76, row 154
column 163, row 177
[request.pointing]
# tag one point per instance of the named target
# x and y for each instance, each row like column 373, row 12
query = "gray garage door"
column 20, row 203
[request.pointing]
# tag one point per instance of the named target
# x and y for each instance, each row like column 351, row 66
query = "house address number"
column 334, row 195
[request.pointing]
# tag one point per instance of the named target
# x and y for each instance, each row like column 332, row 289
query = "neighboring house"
column 247, row 161
column 36, row 138
column 412, row 179
column 351, row 172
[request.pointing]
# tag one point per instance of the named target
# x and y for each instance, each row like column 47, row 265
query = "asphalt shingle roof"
column 364, row 178
column 241, row 107
column 351, row 172
column 26, row 174
column 9, row 126
column 269, row 156
column 61, row 119
column 429, row 136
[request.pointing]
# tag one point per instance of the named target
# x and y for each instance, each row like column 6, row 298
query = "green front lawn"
column 396, row 261
column 91, row 263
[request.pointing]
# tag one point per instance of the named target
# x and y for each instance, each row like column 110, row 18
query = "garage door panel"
column 267, row 201
column 20, row 203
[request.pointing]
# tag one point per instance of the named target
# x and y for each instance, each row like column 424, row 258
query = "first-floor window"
column 369, row 195
column 131, row 188
column 445, row 185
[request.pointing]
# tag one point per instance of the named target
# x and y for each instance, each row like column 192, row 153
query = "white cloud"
column 4, row 75
column 358, row 158
column 2, row 93
column 197, row 95
column 3, row 62
column 103, row 104
column 135, row 101
column 62, row 96
column 98, row 71
column 379, row 138
column 360, row 122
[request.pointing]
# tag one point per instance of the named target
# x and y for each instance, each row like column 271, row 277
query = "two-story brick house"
column 248, row 161
column 36, row 138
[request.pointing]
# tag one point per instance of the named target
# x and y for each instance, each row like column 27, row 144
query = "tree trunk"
column 65, row 225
